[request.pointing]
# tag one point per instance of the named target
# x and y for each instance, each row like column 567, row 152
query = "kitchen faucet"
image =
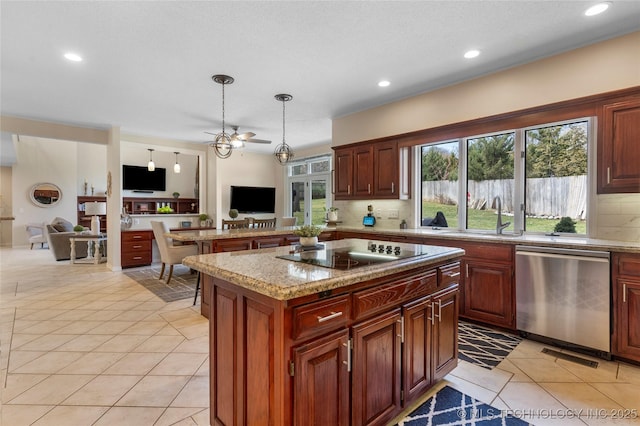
column 499, row 225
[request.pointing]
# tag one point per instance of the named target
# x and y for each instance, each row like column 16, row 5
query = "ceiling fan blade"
column 258, row 141
column 209, row 133
column 245, row 136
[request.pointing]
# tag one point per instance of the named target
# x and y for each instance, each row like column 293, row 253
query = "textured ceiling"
column 148, row 64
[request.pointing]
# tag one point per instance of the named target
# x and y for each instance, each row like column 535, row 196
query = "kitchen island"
column 292, row 342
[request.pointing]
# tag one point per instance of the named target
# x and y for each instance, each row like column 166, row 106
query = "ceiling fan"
column 238, row 139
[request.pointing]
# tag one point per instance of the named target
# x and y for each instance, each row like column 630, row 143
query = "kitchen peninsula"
column 293, row 342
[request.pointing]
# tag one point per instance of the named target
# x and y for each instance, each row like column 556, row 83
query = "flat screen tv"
column 253, row 199
column 139, row 178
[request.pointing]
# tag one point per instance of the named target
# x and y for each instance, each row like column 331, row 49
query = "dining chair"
column 235, row 224
column 170, row 254
column 288, row 221
column 264, row 223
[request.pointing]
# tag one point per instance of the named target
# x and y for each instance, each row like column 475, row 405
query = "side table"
column 95, row 242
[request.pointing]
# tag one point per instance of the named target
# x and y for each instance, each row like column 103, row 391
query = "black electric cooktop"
column 353, row 256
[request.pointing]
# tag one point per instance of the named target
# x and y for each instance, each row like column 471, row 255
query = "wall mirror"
column 45, row 194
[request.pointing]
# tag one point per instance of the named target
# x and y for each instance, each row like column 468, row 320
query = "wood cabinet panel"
column 223, row 329
column 266, row 242
column 416, row 356
column 386, row 163
column 233, row 244
column 376, row 369
column 488, row 293
column 322, row 391
column 363, row 171
column 135, row 248
column 370, row 301
column 619, row 150
column 626, row 305
column 343, row 173
column 445, row 332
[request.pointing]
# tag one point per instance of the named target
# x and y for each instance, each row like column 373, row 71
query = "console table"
column 94, row 242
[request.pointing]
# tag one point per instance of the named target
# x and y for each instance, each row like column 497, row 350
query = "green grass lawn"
column 486, row 219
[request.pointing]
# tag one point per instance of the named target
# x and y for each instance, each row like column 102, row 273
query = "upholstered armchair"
column 58, row 233
column 36, row 234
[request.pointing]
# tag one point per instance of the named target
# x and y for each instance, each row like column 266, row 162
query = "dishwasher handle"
column 562, row 251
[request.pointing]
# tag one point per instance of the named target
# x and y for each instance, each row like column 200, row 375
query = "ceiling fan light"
column 237, row 143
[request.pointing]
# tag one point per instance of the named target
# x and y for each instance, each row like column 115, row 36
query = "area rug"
column 181, row 286
column 451, row 407
column 483, row 346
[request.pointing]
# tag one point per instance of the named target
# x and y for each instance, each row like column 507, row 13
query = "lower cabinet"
column 488, row 292
column 135, row 248
column 358, row 357
column 626, row 305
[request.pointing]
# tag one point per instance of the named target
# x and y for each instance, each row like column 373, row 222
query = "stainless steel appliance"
column 564, row 294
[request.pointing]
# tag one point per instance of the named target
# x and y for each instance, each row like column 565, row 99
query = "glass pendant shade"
column 151, row 166
column 176, row 167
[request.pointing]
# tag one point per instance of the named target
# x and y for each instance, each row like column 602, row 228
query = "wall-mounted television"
column 253, row 199
column 139, row 178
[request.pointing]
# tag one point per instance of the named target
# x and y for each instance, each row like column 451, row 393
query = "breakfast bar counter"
column 350, row 334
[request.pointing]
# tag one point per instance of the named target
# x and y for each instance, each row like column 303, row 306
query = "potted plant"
column 203, row 219
column 308, row 235
column 332, row 214
column 233, row 213
column 176, row 194
column 78, row 228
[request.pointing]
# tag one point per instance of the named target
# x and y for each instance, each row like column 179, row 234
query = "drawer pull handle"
column 331, row 316
column 137, row 246
column 624, row 293
column 457, row 274
column 137, row 257
column 137, row 237
column 439, row 316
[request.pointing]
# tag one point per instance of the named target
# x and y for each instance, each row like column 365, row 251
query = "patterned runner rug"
column 181, row 286
column 483, row 346
column 450, row 407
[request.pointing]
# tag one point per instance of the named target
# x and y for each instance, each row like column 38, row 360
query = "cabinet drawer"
column 136, row 246
column 629, row 265
column 494, row 252
column 135, row 236
column 135, row 259
column 449, row 274
column 377, row 299
column 321, row 316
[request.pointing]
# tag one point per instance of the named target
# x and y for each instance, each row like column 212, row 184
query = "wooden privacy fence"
column 556, row 196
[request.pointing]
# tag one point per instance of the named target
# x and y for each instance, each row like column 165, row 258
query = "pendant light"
column 176, row 167
column 222, row 145
column 283, row 152
column 151, row 166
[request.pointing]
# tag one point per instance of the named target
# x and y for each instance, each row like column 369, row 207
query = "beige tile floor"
column 81, row 345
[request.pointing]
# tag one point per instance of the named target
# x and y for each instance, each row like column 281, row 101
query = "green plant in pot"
column 233, row 213
column 566, row 224
column 203, row 219
column 308, row 235
column 78, row 228
column 176, row 194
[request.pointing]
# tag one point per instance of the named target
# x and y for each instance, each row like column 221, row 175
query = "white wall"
column 247, row 169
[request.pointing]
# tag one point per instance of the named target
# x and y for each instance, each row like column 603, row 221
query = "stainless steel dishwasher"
column 564, row 294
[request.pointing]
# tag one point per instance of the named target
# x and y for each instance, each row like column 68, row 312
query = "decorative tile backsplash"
column 618, row 217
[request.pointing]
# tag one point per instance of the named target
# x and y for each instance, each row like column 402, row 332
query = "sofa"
column 58, row 233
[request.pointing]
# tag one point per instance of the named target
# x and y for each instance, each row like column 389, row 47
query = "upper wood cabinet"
column 619, row 147
column 370, row 171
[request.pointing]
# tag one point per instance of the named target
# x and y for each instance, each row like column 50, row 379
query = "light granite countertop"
column 264, row 273
column 581, row 243
column 442, row 233
column 220, row 234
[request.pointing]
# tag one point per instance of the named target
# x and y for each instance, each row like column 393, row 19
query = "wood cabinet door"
column 376, row 369
column 416, row 355
column 233, row 244
column 445, row 332
column 344, row 173
column 266, row 242
column 321, row 381
column 385, row 165
column 619, row 155
column 628, row 321
column 363, row 172
column 488, row 293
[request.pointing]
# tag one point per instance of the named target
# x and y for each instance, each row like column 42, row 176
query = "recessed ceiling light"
column 471, row 54
column 73, row 57
column 383, row 83
column 596, row 9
